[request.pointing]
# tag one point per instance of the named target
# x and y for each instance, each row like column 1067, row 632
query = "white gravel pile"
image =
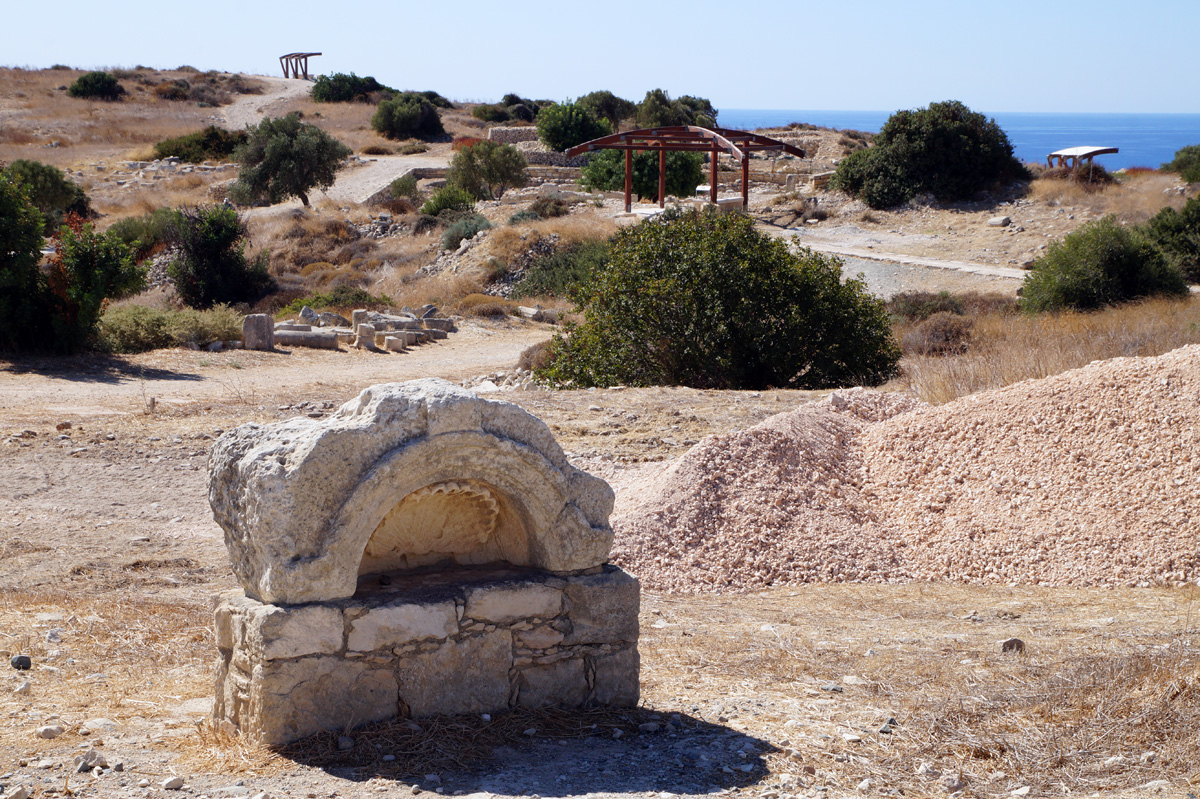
column 1091, row 477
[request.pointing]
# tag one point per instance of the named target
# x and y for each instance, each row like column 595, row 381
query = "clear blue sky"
column 1019, row 55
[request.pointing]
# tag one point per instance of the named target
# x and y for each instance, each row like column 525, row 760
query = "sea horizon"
column 1143, row 140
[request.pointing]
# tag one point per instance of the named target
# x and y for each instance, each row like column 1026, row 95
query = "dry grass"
column 1136, row 198
column 1006, row 349
column 1103, row 675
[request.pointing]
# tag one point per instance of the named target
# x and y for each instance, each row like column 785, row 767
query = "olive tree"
column 285, row 157
column 487, row 169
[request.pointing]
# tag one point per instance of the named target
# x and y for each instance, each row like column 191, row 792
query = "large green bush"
column 96, row 86
column 284, row 157
column 705, row 300
column 407, row 115
column 607, row 106
column 209, row 264
column 1177, row 234
column 342, row 88
column 210, row 144
column 87, row 269
column 1101, row 263
column 487, row 169
column 605, row 171
column 947, row 150
column 21, row 281
column 564, row 125
column 50, row 190
column 1186, row 162
column 658, row 110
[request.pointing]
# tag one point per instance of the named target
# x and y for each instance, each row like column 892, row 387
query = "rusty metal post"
column 663, row 178
column 628, row 181
column 712, row 192
column 283, row 63
column 746, row 180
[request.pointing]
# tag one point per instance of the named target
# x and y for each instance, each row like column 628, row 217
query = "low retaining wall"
column 464, row 641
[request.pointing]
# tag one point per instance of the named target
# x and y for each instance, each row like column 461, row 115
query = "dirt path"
column 357, row 183
column 248, row 109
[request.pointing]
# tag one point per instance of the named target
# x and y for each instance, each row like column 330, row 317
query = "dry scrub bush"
column 944, row 333
column 1006, row 349
column 484, row 305
column 1134, row 199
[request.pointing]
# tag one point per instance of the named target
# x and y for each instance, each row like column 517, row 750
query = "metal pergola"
column 295, row 64
column 686, row 138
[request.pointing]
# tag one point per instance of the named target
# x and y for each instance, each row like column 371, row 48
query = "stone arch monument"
column 422, row 550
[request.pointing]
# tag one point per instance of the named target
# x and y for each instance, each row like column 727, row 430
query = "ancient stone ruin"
column 420, row 551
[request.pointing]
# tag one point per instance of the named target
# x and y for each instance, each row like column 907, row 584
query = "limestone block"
column 300, row 500
column 275, row 633
column 562, row 684
column 615, row 681
column 258, row 332
column 446, row 325
column 505, row 604
column 540, row 638
column 603, row 608
column 312, row 339
column 394, row 344
column 364, row 336
column 229, row 618
column 399, row 624
column 292, row 699
column 467, row 676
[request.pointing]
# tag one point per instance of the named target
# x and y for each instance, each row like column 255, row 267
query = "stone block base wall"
column 468, row 641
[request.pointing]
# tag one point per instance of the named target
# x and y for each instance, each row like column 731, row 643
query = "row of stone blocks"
column 476, row 640
column 259, row 332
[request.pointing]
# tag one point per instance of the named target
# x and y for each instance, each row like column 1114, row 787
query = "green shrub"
column 283, row 157
column 407, row 115
column 549, row 206
column 50, row 191
column 464, row 228
column 87, row 270
column 210, row 144
column 340, row 297
column 658, row 110
column 605, row 171
column 917, row 306
column 488, row 169
column 209, row 265
column 1099, row 264
column 490, row 113
column 96, row 86
column 1186, row 162
column 448, row 198
column 436, row 99
column 342, row 88
column 521, row 217
column 22, row 283
column 173, row 90
column 415, row 148
column 707, row 301
column 143, row 233
column 562, row 272
column 607, row 106
column 1177, row 235
column 406, row 186
column 947, row 150
column 565, row 125
column 943, row 333
column 136, row 328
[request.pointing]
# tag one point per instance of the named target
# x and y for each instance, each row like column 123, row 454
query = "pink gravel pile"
column 775, row 504
column 1087, row 478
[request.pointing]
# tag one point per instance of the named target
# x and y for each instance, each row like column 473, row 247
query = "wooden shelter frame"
column 295, row 65
column 686, row 138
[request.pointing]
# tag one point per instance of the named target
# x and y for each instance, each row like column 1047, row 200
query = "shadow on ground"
column 89, row 368
column 549, row 753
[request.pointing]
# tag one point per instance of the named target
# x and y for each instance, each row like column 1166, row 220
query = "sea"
column 1143, row 140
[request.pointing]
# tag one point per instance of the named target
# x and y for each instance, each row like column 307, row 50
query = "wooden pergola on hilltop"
column 295, row 65
column 686, row 138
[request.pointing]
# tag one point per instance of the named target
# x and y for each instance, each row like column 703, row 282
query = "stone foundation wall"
column 462, row 641
column 512, row 135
